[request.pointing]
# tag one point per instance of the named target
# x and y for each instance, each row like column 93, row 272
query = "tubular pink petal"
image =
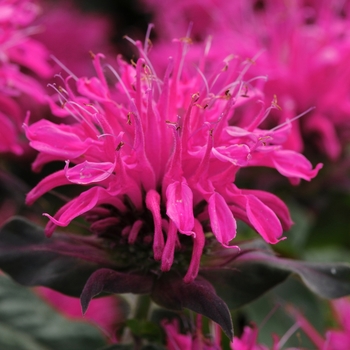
column 89, row 172
column 235, row 154
column 62, row 141
column 153, row 204
column 325, row 127
column 42, row 159
column 263, row 219
column 222, row 221
column 169, row 248
column 275, row 204
column 79, row 205
column 48, row 183
column 103, row 224
column 294, row 165
column 93, row 88
column 83, row 203
column 180, row 206
column 135, row 229
column 198, row 245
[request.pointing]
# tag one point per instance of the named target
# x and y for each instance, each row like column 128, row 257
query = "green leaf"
column 253, row 272
column 28, row 323
column 245, row 282
column 145, row 329
column 63, row 262
column 153, row 347
column 270, row 314
column 329, row 281
column 118, row 347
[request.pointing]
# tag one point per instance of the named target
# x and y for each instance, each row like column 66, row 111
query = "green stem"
column 142, row 307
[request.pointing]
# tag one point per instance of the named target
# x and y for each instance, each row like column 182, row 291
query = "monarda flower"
column 191, row 340
column 156, row 159
column 69, row 33
column 19, row 54
column 305, row 48
column 102, row 311
column 249, row 340
column 337, row 338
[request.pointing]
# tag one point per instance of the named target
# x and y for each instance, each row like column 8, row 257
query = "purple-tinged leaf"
column 111, row 281
column 252, row 272
column 328, row 280
column 244, row 283
column 63, row 262
column 172, row 292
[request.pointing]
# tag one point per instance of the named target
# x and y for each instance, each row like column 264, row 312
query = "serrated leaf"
column 172, row 292
column 63, row 262
column 111, row 281
column 28, row 323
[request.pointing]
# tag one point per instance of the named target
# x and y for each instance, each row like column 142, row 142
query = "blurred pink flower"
column 160, row 156
column 18, row 54
column 70, row 34
column 103, row 312
column 304, row 50
column 191, row 341
column 249, row 340
column 335, row 339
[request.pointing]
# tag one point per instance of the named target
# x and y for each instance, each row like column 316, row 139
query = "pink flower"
column 18, row 52
column 69, row 34
column 158, row 158
column 249, row 340
column 191, row 341
column 304, row 48
column 335, row 339
column 102, row 312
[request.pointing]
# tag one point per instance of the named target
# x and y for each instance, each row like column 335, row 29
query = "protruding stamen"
column 64, row 67
column 293, row 119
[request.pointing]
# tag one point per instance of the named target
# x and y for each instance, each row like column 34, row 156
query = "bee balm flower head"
column 157, row 158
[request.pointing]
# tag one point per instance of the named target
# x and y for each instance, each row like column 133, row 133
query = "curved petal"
column 274, row 203
column 89, row 172
column 48, row 183
column 80, row 205
column 59, row 140
column 294, row 165
column 180, row 206
column 222, row 221
column 263, row 219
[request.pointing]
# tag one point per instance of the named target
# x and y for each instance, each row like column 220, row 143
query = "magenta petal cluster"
column 249, row 340
column 337, row 338
column 189, row 341
column 304, row 50
column 158, row 157
column 17, row 51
